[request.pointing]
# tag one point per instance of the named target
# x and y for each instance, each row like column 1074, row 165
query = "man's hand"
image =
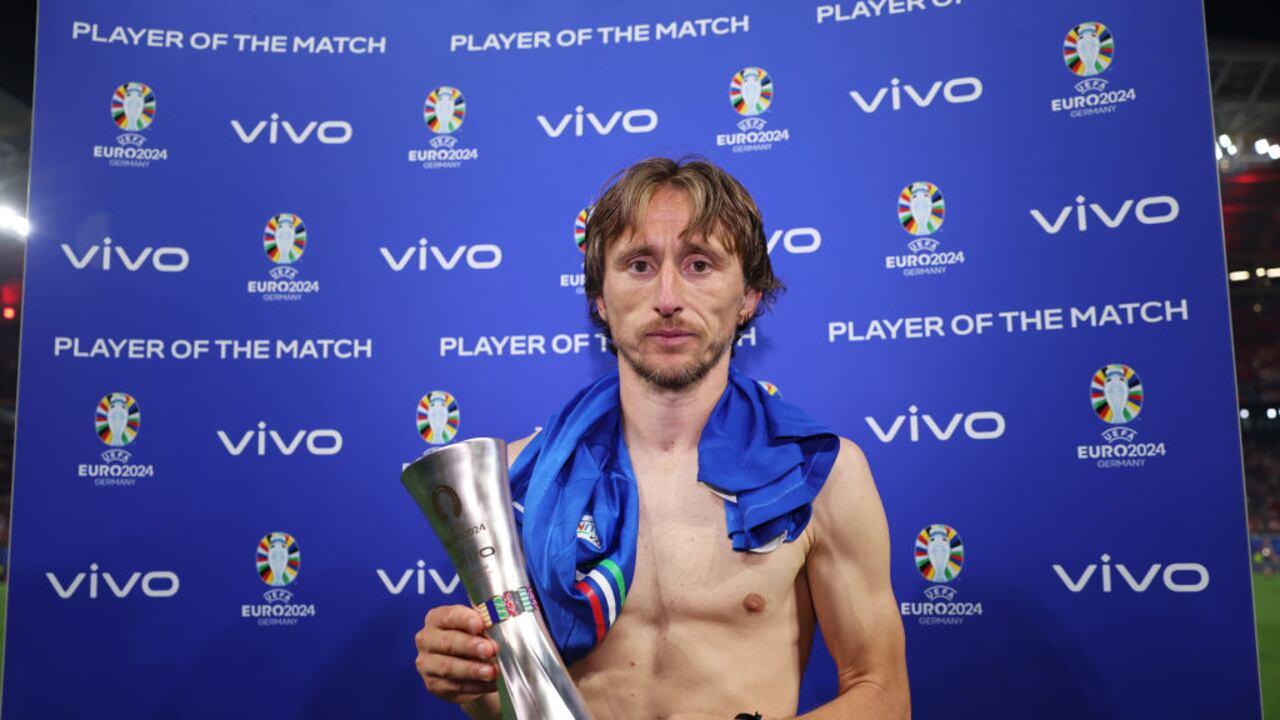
column 455, row 659
column 705, row 716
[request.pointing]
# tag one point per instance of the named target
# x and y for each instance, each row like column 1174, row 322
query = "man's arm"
column 848, row 572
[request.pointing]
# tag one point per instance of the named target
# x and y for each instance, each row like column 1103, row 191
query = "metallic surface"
column 463, row 490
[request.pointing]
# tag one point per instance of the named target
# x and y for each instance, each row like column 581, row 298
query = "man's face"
column 672, row 304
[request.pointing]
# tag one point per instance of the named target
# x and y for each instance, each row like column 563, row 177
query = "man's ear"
column 600, row 308
column 750, row 301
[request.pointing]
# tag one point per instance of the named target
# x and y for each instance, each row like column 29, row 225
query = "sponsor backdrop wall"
column 281, row 249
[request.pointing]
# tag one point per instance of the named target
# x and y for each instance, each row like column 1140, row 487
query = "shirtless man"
column 708, row 631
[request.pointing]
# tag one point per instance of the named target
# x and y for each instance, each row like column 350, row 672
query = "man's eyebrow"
column 633, row 248
column 705, row 248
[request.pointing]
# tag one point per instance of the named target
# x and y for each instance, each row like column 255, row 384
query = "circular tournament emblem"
column 751, row 91
column 580, row 228
column 1116, row 394
column 133, row 107
column 278, row 559
column 444, row 110
column 1088, row 49
column 446, row 502
column 285, row 238
column 768, row 387
column 921, row 208
column 437, row 417
column 117, row 419
column 939, row 553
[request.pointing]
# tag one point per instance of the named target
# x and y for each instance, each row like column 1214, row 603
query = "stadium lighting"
column 1262, row 146
column 1217, row 151
column 1273, row 152
column 1273, row 272
column 1232, row 149
column 1238, row 275
column 1224, row 140
column 11, row 221
column 1271, row 413
column 1244, row 413
column 1260, row 272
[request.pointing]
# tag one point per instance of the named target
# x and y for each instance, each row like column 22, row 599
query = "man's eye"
column 700, row 266
column 639, row 265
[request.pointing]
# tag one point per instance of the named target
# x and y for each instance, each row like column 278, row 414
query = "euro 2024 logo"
column 443, row 111
column 133, row 110
column 278, row 561
column 438, row 417
column 921, row 212
column 576, row 281
column 1088, row 51
column 751, row 95
column 117, row 421
column 284, row 240
column 1116, row 396
column 939, row 558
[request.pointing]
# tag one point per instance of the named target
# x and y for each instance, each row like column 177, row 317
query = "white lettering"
column 148, row 583
column 941, row 432
column 956, row 91
column 163, row 259
column 638, row 121
column 325, row 441
column 1135, row 584
column 1166, row 210
column 328, row 132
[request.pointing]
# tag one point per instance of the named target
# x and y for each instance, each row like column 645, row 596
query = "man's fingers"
column 458, row 644
column 456, row 617
column 463, row 691
column 455, row 669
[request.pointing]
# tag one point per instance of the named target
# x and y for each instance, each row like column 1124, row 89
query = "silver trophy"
column 463, row 490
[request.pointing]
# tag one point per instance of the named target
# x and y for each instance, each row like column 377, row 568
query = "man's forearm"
column 865, row 700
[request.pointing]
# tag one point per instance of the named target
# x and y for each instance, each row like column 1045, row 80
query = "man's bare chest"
column 687, row 569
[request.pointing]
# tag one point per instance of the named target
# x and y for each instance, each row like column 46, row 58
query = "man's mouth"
column 669, row 336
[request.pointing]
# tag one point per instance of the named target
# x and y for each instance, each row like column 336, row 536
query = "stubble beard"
column 679, row 378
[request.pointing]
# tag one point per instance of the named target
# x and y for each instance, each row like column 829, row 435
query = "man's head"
column 677, row 266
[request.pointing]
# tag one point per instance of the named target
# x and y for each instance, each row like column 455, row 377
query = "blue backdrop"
column 268, row 238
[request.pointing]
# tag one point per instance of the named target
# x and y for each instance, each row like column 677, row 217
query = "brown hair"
column 719, row 205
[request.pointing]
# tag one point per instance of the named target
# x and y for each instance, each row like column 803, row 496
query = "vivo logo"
column 163, row 259
column 632, row 121
column 317, row 442
column 420, row 573
column 329, row 132
column 155, row 584
column 797, row 241
column 1155, row 210
column 477, row 257
column 1177, row 577
column 980, row 425
column 955, row 91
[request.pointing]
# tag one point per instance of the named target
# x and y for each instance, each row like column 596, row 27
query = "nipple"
column 753, row 603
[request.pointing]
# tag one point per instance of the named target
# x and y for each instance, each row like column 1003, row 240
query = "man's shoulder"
column 849, row 493
column 851, row 463
column 515, row 447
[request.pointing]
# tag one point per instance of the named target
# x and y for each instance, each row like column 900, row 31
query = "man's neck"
column 659, row 421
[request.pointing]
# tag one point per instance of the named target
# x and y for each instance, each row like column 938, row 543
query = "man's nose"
column 670, row 290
